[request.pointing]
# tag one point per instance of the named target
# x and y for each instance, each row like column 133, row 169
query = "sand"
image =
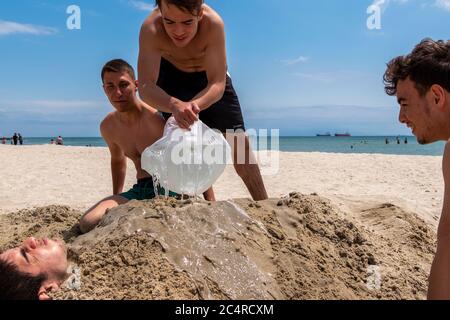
column 357, row 227
column 299, row 247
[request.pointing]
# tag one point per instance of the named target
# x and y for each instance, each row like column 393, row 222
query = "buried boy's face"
column 417, row 112
column 39, row 256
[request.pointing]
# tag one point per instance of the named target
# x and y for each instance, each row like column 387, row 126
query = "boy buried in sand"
column 34, row 269
column 421, row 82
column 128, row 131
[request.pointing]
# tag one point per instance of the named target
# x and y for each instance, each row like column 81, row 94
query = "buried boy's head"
column 421, row 82
column 31, row 271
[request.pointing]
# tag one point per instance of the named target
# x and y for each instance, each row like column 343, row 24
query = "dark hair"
column 191, row 6
column 426, row 65
column 118, row 65
column 16, row 285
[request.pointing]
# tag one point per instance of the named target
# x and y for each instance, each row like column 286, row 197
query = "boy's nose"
column 30, row 243
column 401, row 117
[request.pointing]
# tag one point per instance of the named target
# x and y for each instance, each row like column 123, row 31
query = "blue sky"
column 301, row 66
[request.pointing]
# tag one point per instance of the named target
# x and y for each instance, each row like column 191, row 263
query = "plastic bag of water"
column 187, row 162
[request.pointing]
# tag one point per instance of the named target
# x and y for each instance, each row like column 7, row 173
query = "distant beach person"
column 421, row 83
column 3, row 140
column 59, row 141
column 32, row 270
column 398, row 140
column 15, row 138
column 386, row 141
column 406, row 140
column 20, row 139
column 127, row 131
column 52, row 141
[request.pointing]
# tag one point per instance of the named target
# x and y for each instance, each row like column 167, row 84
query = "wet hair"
column 428, row 64
column 191, row 6
column 118, row 65
column 16, row 285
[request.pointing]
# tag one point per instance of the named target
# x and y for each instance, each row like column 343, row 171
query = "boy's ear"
column 200, row 14
column 438, row 95
column 46, row 288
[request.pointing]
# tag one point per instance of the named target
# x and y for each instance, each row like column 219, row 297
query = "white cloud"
column 53, row 106
column 10, row 27
column 141, row 5
column 443, row 4
column 291, row 62
column 383, row 4
column 65, row 103
column 319, row 77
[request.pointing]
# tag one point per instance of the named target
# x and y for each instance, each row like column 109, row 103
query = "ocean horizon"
column 354, row 144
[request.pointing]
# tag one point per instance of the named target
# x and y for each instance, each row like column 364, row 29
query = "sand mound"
column 298, row 247
column 52, row 221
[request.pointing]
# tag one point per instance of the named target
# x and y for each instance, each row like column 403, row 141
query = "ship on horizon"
column 327, row 134
column 343, row 134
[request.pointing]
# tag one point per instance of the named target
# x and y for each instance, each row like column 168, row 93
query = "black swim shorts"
column 224, row 115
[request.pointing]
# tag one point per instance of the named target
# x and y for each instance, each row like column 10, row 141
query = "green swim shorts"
column 144, row 190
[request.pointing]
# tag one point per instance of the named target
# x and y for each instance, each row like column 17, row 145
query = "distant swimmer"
column 421, row 83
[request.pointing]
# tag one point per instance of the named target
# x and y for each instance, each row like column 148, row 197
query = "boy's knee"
column 87, row 223
column 84, row 225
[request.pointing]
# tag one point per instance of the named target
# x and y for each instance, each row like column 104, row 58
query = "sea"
column 368, row 145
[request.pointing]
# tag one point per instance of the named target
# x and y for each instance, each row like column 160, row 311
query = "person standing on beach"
column 59, row 141
column 3, row 140
column 127, row 131
column 421, row 83
column 20, row 139
column 14, row 139
column 183, row 72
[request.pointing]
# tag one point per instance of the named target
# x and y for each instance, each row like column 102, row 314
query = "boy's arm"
column 118, row 160
column 439, row 282
column 216, row 68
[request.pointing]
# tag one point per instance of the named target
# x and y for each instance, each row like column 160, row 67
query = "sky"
column 301, row 66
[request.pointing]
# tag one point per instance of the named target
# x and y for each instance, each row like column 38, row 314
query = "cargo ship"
column 343, row 134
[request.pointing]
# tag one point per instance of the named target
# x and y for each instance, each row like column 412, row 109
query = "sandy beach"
column 78, row 177
column 332, row 220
